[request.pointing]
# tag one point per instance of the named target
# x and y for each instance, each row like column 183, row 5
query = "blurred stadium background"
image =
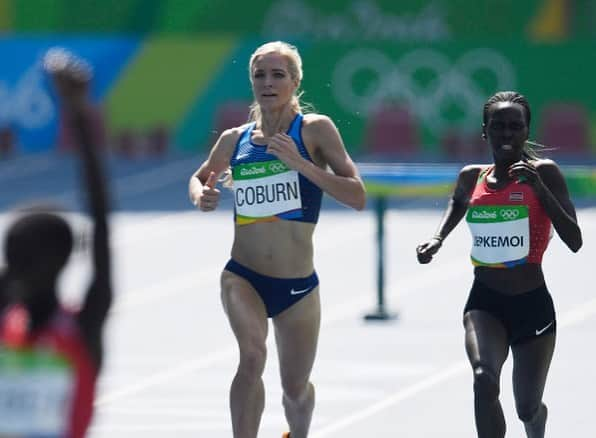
column 404, row 81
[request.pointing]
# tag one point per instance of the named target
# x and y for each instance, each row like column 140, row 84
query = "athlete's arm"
column 98, row 299
column 201, row 186
column 454, row 213
column 71, row 82
column 548, row 182
column 344, row 184
column 4, row 299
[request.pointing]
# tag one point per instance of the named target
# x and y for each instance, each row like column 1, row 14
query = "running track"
column 171, row 355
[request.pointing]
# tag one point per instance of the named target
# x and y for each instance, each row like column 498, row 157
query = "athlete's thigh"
column 531, row 361
column 296, row 336
column 245, row 310
column 486, row 340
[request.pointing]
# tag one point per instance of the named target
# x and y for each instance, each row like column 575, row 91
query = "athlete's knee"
column 486, row 384
column 529, row 411
column 297, row 391
column 252, row 360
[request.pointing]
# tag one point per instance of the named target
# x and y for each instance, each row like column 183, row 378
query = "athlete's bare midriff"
column 281, row 249
column 511, row 281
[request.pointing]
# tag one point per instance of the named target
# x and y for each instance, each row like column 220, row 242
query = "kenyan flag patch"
column 516, row 196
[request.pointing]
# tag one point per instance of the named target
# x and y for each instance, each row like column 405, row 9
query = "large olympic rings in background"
column 452, row 82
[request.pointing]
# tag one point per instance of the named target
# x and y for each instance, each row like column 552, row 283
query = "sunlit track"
column 371, row 395
column 178, row 371
column 580, row 314
column 170, row 355
column 188, row 283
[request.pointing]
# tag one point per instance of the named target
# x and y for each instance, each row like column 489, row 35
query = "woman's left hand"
column 525, row 172
column 283, row 147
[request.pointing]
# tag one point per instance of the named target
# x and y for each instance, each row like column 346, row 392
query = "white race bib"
column 500, row 234
column 35, row 394
column 264, row 190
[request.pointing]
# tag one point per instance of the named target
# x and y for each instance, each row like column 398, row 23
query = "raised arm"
column 71, row 78
column 98, row 300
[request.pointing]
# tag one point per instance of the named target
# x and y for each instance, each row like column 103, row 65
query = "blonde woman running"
column 278, row 165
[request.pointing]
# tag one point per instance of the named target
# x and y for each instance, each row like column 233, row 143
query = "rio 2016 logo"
column 448, row 83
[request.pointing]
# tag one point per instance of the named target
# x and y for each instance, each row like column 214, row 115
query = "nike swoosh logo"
column 298, row 292
column 542, row 330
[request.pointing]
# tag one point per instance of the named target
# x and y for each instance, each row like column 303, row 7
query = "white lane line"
column 356, row 368
column 407, row 286
column 128, row 234
column 453, row 370
column 169, row 428
column 180, row 370
column 190, row 279
column 269, row 420
column 578, row 315
column 164, row 290
column 176, row 285
column 177, row 412
column 217, row 356
column 188, row 282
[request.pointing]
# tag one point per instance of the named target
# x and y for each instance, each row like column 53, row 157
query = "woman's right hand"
column 208, row 199
column 425, row 251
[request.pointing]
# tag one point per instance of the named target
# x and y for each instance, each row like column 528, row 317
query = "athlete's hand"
column 283, row 147
column 209, row 197
column 71, row 77
column 426, row 251
column 525, row 172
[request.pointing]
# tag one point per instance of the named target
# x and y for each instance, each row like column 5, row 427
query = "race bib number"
column 265, row 190
column 35, row 394
column 500, row 235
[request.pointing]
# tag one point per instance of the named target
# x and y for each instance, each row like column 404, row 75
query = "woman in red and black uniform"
column 511, row 207
column 50, row 356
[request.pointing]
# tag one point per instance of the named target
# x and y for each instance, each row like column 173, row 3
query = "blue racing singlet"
column 265, row 189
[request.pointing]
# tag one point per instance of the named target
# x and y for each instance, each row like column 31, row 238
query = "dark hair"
column 38, row 238
column 507, row 96
column 530, row 147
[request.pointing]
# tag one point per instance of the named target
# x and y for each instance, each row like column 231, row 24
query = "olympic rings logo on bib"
column 509, row 214
column 265, row 191
column 277, row 167
column 500, row 235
